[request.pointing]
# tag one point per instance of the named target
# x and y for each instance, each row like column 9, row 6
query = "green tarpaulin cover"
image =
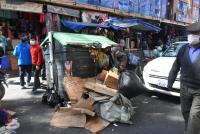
column 82, row 39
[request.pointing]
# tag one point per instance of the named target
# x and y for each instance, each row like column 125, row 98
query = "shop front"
column 19, row 18
column 55, row 14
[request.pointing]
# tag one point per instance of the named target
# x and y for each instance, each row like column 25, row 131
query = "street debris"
column 95, row 103
column 111, row 80
column 96, row 124
column 117, row 109
column 68, row 117
column 100, row 88
column 74, row 87
column 155, row 97
column 114, row 124
column 130, row 85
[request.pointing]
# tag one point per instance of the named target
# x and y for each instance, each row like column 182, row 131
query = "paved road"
column 155, row 114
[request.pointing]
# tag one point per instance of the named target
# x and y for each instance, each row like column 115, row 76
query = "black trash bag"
column 130, row 85
column 51, row 98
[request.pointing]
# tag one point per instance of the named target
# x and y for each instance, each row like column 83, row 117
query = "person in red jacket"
column 37, row 62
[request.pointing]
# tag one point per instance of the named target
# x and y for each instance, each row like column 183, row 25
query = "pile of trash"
column 96, row 102
column 8, row 124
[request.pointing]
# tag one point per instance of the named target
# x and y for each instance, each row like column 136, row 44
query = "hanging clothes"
column 42, row 18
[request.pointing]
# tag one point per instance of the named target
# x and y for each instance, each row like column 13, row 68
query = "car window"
column 172, row 51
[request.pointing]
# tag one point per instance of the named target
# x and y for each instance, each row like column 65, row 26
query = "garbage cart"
column 68, row 54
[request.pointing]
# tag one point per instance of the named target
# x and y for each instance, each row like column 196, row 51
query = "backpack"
column 5, row 64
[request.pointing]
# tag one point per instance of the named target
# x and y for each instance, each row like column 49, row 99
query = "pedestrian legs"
column 36, row 78
column 190, row 107
column 193, row 126
column 28, row 71
column 22, row 70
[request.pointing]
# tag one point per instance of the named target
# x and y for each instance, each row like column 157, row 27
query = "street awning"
column 135, row 24
column 77, row 26
column 81, row 39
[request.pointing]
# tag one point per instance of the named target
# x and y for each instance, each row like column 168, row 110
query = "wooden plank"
column 97, row 97
column 85, row 111
column 68, row 117
column 99, row 88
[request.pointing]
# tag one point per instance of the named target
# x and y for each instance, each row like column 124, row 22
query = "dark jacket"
column 190, row 72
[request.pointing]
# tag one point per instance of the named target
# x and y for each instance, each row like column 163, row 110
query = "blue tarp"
column 78, row 26
column 136, row 24
column 114, row 23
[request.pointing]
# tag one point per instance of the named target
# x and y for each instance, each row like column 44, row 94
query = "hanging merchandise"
column 108, row 3
column 42, row 18
column 124, row 5
column 195, row 14
column 182, row 11
column 145, row 7
column 164, row 8
column 94, row 17
column 134, row 6
column 157, row 8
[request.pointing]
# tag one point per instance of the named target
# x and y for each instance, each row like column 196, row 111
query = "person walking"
column 37, row 62
column 22, row 52
column 188, row 63
column 3, row 41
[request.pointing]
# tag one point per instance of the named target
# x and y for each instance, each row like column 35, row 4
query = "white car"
column 155, row 73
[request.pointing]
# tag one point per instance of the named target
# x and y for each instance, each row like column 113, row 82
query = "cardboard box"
column 111, row 80
column 102, row 75
column 13, row 62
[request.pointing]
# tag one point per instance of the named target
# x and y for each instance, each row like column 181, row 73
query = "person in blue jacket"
column 22, row 52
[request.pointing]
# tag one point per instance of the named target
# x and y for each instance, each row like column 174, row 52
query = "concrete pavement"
column 155, row 114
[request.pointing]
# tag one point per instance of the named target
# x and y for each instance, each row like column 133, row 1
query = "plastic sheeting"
column 78, row 26
column 136, row 24
column 117, row 109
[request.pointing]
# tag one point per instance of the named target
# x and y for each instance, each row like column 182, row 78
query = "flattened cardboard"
column 96, row 124
column 68, row 117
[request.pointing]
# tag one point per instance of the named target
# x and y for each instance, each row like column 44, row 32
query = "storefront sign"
column 17, row 5
column 63, row 11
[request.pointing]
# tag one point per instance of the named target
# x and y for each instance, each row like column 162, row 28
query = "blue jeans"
column 23, row 69
column 190, row 107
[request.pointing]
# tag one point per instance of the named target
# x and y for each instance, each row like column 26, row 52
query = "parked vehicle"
column 4, row 65
column 155, row 73
column 2, row 83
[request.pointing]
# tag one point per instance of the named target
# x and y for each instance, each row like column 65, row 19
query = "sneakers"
column 34, row 90
column 23, row 87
